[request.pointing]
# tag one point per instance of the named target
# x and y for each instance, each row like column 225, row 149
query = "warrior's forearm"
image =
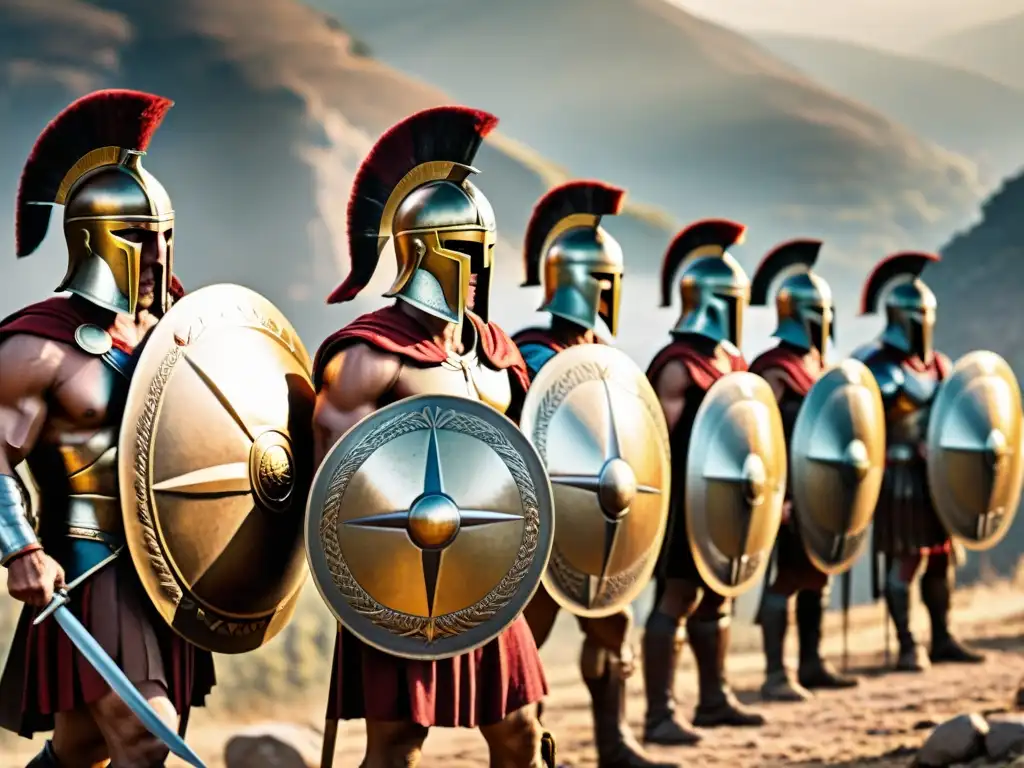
column 16, row 534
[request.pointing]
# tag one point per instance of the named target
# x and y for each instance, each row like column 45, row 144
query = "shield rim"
column 164, row 588
column 801, row 426
column 936, row 474
column 368, row 631
column 707, row 574
column 590, row 356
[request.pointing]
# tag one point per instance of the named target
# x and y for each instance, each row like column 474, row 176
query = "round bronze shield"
column 429, row 526
column 836, row 464
column 735, row 482
column 214, row 464
column 600, row 431
column 975, row 441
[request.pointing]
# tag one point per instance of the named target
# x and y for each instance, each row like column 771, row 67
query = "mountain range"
column 692, row 117
column 994, row 49
column 957, row 108
column 275, row 109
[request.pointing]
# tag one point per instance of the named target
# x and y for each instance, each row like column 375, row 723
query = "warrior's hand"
column 34, row 577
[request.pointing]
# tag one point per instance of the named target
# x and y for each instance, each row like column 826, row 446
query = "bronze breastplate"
column 460, row 375
column 75, row 468
column 907, row 412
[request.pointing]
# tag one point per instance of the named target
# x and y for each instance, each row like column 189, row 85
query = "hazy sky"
column 902, row 25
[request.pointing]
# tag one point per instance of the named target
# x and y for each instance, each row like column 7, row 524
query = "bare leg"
column 515, row 741
column 675, row 600
column 77, row 743
column 130, row 745
column 393, row 745
column 540, row 615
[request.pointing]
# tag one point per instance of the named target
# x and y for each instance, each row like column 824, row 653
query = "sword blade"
column 122, row 686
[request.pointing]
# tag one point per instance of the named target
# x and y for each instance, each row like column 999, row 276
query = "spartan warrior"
column 65, row 366
column 580, row 267
column 435, row 339
column 908, row 534
column 704, row 348
column 805, row 325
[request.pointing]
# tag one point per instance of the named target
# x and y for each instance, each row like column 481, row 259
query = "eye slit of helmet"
column 135, row 234
column 475, row 251
column 605, row 279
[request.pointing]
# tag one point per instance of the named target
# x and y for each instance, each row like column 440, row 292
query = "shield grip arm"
column 355, row 381
column 670, row 385
column 23, row 412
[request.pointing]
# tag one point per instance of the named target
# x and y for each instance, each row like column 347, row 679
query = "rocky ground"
column 882, row 723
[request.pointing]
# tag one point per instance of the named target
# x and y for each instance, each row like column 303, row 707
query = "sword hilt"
column 59, row 600
column 63, row 596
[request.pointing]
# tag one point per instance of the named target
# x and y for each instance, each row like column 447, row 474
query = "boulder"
column 959, row 740
column 1005, row 736
column 274, row 745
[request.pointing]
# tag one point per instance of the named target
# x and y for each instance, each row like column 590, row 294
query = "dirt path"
column 878, row 724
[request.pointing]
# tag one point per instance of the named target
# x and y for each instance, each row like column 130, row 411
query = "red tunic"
column 676, row 561
column 45, row 673
column 475, row 689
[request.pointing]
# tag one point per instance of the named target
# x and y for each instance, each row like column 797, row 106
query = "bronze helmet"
column 89, row 159
column 414, row 188
column 580, row 263
column 909, row 304
column 803, row 300
column 714, row 288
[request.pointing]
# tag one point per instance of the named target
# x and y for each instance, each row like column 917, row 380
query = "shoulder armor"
column 730, row 349
column 889, row 375
column 93, row 340
column 536, row 356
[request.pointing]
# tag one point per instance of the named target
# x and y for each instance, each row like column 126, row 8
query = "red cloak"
column 799, row 377
column 700, row 367
column 58, row 317
column 392, row 330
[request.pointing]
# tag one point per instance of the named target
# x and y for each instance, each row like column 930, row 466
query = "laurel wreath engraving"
column 450, row 624
column 143, row 502
column 570, row 580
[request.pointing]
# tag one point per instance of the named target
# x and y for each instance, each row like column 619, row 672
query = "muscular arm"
column 670, row 386
column 29, row 368
column 779, row 381
column 355, row 380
